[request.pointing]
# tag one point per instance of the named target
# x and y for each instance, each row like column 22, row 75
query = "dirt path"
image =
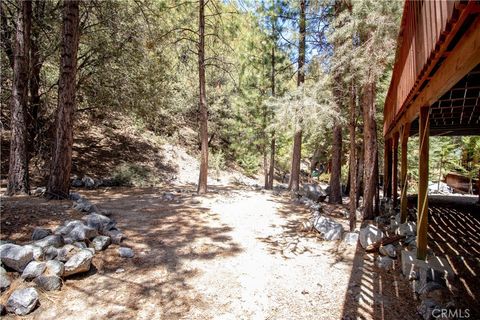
column 235, row 254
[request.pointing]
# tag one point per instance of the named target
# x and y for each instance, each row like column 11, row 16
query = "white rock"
column 54, row 268
column 126, row 252
column 54, row 240
column 33, row 270
column 79, row 262
column 40, row 233
column 82, row 232
column 38, row 252
column 4, row 279
column 369, row 235
column 100, row 243
column 22, row 301
column 99, row 222
column 49, row 283
column 15, row 256
column 328, row 228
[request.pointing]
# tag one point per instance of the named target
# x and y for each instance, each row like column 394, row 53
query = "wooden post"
column 422, row 215
column 395, row 169
column 387, row 160
column 403, row 173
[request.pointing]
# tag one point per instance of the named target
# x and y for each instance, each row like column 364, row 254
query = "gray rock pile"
column 52, row 256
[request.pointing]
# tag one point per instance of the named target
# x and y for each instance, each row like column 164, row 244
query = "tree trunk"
column 271, row 170
column 360, row 169
column 34, row 83
column 352, row 160
column 59, row 181
column 370, row 149
column 335, row 187
column 294, row 182
column 202, row 180
column 6, row 35
column 18, row 181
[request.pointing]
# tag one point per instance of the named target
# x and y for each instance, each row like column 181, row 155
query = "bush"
column 131, row 174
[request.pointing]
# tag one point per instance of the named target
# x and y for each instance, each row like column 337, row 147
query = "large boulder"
column 33, row 270
column 313, row 192
column 15, row 256
column 4, row 279
column 99, row 222
column 40, row 233
column 79, row 262
column 22, row 301
column 48, row 283
column 328, row 228
column 370, row 234
column 54, row 240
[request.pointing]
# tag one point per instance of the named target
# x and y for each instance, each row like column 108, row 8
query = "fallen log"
column 386, row 240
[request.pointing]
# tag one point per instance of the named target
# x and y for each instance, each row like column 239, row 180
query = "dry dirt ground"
column 234, row 254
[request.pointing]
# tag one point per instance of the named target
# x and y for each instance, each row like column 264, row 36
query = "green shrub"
column 131, row 174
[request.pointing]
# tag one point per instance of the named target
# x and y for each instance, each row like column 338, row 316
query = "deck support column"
column 403, row 173
column 422, row 214
column 387, row 165
column 395, row 169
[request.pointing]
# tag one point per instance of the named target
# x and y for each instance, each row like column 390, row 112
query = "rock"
column 33, row 270
column 426, row 308
column 54, row 240
column 126, row 252
column 119, row 270
column 88, row 182
column 168, row 196
column 82, row 232
column 115, row 235
column 22, row 301
column 313, row 192
column 100, row 243
column 384, row 262
column 369, row 235
column 388, row 250
column 83, row 205
column 3, row 310
column 79, row 262
column 39, row 192
column 51, row 253
column 49, row 283
column 40, row 233
column 99, row 222
column 80, row 244
column 74, row 196
column 77, row 183
column 15, row 256
column 4, row 279
column 68, row 251
column 38, row 252
column 67, row 227
column 407, row 229
column 54, row 268
column 328, row 228
column 410, row 239
column 351, row 238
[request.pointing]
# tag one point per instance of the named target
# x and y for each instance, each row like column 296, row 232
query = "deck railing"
column 423, row 28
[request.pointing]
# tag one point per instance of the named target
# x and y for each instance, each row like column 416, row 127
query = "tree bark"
column 271, row 169
column 59, row 181
column 203, row 113
column 370, row 149
column 18, row 180
column 335, row 187
column 360, row 169
column 352, row 159
column 294, row 182
column 34, row 83
column 6, row 35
